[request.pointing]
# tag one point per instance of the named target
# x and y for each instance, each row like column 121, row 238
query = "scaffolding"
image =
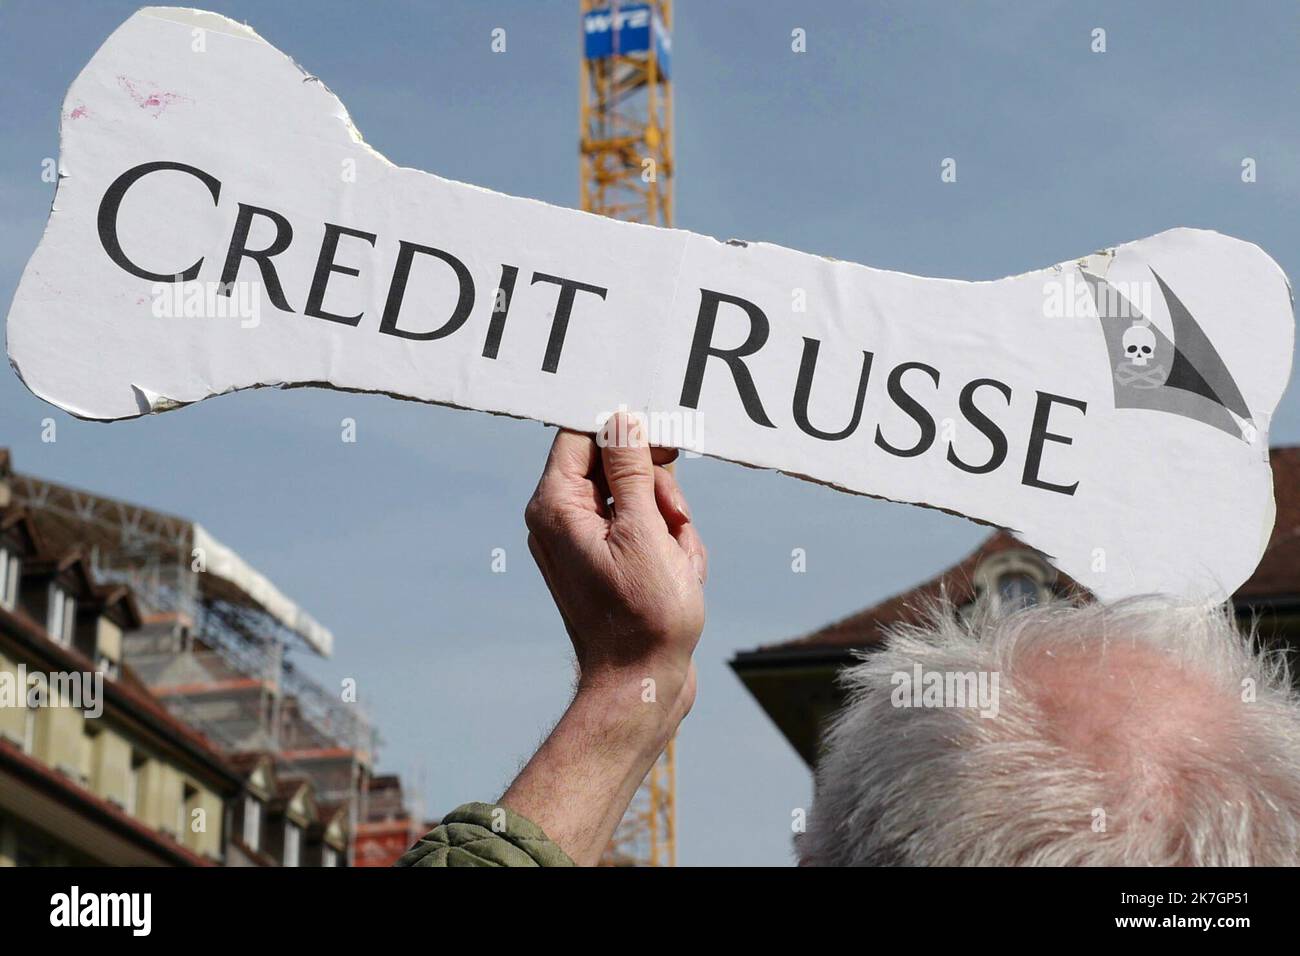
column 217, row 640
column 626, row 149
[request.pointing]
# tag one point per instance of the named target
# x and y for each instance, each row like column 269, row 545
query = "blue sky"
column 835, row 151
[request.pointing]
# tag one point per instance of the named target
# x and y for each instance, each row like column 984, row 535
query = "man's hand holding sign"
column 628, row 578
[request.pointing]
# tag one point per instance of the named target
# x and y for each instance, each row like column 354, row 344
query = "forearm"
column 612, row 535
column 581, row 780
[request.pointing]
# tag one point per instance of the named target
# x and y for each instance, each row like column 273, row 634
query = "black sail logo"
column 1184, row 375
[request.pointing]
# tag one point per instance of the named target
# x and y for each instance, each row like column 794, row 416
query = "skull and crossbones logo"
column 1138, row 367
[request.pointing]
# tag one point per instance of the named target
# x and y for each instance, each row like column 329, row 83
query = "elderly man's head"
column 1138, row 734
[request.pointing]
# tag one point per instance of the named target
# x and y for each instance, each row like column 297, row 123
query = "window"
column 133, row 784
column 10, row 572
column 1017, row 590
column 330, row 857
column 185, row 813
column 63, row 615
column 292, row 840
column 252, row 822
column 90, row 736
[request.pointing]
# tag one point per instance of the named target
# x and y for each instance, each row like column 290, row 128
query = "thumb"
column 629, row 470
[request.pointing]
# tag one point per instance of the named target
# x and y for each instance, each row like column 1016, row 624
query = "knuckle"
column 632, row 537
column 538, row 514
column 628, row 463
column 630, row 477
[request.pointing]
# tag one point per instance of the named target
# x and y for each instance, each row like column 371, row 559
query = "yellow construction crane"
column 626, row 147
column 627, row 111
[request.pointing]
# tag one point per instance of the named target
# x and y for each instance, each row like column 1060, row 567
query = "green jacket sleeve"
column 467, row 837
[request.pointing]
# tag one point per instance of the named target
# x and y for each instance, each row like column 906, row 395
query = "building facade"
column 93, row 769
column 390, row 827
column 150, row 713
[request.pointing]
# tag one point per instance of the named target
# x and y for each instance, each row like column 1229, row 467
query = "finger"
column 573, row 455
column 629, row 470
column 567, row 480
column 663, row 456
column 689, row 540
column 671, row 501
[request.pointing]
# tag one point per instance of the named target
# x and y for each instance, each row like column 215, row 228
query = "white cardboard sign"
column 1112, row 411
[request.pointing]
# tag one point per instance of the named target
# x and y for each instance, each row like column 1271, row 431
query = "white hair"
column 1140, row 733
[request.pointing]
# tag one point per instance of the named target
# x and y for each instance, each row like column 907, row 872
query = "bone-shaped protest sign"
column 219, row 224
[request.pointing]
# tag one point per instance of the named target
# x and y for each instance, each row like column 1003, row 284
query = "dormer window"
column 62, row 617
column 1014, row 578
column 292, row 843
column 10, row 572
column 1017, row 590
column 252, row 822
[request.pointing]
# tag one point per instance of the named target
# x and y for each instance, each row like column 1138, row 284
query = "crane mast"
column 626, row 150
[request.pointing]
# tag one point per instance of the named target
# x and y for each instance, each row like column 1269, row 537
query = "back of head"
column 1143, row 733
